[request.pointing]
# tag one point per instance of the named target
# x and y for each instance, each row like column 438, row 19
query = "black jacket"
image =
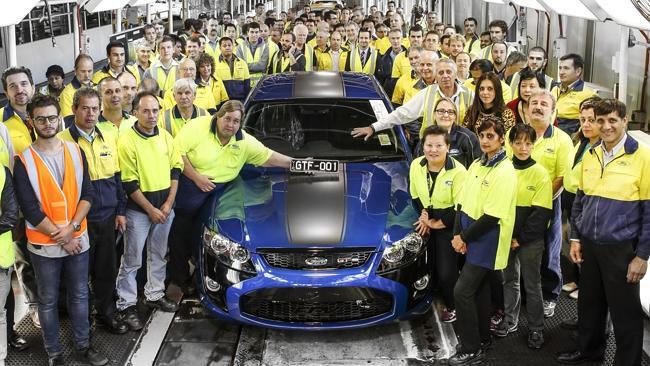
column 464, row 145
column 9, row 215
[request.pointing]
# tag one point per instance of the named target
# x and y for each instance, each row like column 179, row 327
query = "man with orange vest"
column 55, row 193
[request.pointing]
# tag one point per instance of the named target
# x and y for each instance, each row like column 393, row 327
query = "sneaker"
column 130, row 317
column 549, row 308
column 535, row 339
column 461, row 358
column 496, row 319
column 164, row 304
column 504, row 329
column 574, row 295
column 35, row 320
column 570, row 287
column 91, row 356
column 448, row 315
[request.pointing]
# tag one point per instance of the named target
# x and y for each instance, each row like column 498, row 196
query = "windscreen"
column 320, row 129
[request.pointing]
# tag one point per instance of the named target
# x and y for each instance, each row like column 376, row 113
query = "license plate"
column 311, row 165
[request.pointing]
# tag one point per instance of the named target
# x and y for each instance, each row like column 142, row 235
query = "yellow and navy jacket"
column 235, row 79
column 20, row 133
column 534, row 201
column 568, row 102
column 65, row 99
column 325, row 62
column 572, row 177
column 104, row 171
column 612, row 205
column 490, row 191
column 106, row 71
column 440, row 194
column 172, row 120
column 148, row 163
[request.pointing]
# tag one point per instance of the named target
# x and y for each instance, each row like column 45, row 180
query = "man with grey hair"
column 301, row 32
column 422, row 103
column 184, row 110
column 351, row 30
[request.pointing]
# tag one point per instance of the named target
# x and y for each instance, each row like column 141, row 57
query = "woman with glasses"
column 488, row 102
column 436, row 180
column 463, row 143
column 529, row 80
column 482, row 232
column 587, row 136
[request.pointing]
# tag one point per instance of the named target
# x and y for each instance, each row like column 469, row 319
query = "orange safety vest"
column 58, row 203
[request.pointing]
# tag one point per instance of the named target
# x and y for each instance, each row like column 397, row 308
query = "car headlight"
column 400, row 253
column 227, row 252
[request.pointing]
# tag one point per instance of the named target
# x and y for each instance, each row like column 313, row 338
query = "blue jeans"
column 48, row 277
column 141, row 232
column 551, row 270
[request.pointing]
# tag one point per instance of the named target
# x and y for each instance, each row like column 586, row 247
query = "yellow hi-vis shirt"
column 109, row 127
column 20, row 135
column 198, row 142
column 164, row 77
column 401, row 65
column 490, row 189
column 552, row 151
column 447, row 187
column 353, row 61
column 7, row 251
column 101, row 154
column 106, row 72
column 534, row 187
column 67, row 95
column 404, row 83
column 148, row 159
column 173, row 121
column 463, row 100
column 572, row 177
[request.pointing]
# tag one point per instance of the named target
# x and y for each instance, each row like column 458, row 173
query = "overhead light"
column 622, row 12
column 15, row 11
column 94, row 6
column 502, row 2
column 533, row 4
column 572, row 8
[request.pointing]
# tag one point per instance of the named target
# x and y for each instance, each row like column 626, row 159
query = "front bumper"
column 313, row 299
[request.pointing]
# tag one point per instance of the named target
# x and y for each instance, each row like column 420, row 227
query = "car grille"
column 306, row 305
column 316, row 259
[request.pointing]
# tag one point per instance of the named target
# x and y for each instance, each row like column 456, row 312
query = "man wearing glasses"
column 55, row 193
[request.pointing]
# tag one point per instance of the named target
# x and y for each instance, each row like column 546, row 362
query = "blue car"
column 328, row 244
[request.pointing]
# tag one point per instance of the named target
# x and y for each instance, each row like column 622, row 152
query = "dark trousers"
column 551, row 270
column 473, row 310
column 102, row 267
column 180, row 248
column 603, row 285
column 49, row 272
column 446, row 264
column 496, row 290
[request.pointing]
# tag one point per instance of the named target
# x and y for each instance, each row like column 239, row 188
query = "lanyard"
column 430, row 186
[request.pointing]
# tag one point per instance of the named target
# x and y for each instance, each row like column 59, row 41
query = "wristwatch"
column 75, row 226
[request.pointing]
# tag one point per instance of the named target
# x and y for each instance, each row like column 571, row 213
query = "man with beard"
column 362, row 58
column 47, row 172
column 499, row 54
column 290, row 59
column 537, row 60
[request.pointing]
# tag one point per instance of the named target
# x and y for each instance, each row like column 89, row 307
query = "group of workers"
column 106, row 156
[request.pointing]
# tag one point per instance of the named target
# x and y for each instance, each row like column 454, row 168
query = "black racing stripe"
column 315, row 208
column 320, row 84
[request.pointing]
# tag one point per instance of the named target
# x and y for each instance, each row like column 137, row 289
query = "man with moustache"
column 499, row 54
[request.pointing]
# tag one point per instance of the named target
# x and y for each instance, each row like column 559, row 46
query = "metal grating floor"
column 117, row 348
column 513, row 350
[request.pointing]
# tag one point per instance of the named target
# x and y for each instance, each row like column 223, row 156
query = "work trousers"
column 74, row 269
column 181, row 242
column 551, row 270
column 5, row 289
column 473, row 310
column 141, row 233
column 525, row 262
column 102, row 266
column 445, row 264
column 603, row 285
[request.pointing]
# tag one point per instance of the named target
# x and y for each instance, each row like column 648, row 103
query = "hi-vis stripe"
column 29, row 157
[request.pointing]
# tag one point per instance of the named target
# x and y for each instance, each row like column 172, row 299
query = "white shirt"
column 336, row 56
column 609, row 156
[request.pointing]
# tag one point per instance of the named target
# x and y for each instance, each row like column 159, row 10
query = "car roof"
column 315, row 85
